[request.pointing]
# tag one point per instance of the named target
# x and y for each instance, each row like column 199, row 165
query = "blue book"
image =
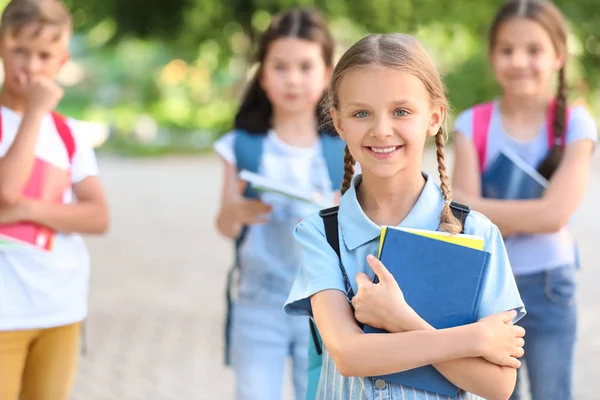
column 510, row 178
column 442, row 281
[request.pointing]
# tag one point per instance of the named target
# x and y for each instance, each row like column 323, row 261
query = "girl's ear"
column 437, row 118
column 337, row 122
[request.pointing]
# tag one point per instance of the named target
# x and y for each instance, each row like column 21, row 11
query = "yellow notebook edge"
column 381, row 240
column 471, row 241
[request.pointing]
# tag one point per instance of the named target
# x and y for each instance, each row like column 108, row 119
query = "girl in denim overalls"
column 386, row 98
column 528, row 47
column 296, row 57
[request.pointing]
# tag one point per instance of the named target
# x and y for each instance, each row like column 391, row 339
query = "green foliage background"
column 181, row 65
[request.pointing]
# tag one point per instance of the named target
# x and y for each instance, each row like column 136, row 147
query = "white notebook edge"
column 259, row 181
column 528, row 169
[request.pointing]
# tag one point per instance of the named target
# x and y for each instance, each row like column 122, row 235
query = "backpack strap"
column 64, row 131
column 248, row 148
column 333, row 152
column 460, row 211
column 482, row 116
column 330, row 220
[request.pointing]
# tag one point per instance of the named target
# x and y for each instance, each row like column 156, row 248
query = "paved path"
column 156, row 301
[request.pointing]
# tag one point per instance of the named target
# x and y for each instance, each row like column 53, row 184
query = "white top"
column 38, row 289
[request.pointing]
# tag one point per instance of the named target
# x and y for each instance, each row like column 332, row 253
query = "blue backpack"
column 248, row 151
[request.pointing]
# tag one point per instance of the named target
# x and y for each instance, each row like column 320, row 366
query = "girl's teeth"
column 384, row 149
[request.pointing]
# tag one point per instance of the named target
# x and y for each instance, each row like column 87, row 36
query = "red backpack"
column 482, row 116
column 41, row 237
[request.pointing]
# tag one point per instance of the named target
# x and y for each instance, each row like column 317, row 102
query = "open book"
column 46, row 182
column 263, row 184
column 510, row 178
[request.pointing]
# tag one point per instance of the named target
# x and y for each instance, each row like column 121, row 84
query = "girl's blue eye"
column 361, row 114
column 400, row 113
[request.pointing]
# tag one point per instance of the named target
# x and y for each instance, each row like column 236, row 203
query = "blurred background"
column 165, row 75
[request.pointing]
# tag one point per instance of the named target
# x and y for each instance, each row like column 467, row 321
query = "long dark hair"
column 550, row 18
column 255, row 112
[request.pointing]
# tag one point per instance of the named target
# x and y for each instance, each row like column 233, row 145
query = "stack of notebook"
column 441, row 277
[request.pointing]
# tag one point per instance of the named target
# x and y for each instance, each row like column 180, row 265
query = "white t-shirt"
column 38, row 289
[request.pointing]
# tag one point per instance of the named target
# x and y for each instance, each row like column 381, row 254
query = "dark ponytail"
column 552, row 160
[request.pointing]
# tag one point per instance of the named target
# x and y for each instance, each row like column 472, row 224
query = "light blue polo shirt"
column 359, row 236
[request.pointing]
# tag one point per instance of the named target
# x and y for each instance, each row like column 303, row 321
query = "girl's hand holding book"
column 250, row 211
column 382, row 305
column 500, row 341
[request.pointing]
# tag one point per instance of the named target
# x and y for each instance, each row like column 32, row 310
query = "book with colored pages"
column 46, row 182
column 441, row 277
column 263, row 184
column 510, row 178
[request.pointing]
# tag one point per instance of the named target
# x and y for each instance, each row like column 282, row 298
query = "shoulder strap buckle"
column 329, row 212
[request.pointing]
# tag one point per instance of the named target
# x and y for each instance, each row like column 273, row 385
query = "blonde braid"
column 348, row 170
column 448, row 222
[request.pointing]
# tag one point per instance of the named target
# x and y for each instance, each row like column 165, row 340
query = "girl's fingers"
column 518, row 331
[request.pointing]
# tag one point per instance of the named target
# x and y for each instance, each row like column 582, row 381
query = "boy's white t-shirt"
column 39, row 289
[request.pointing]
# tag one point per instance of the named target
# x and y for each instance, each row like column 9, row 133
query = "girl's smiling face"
column 385, row 115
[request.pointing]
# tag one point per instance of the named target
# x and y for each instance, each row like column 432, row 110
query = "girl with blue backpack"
column 275, row 136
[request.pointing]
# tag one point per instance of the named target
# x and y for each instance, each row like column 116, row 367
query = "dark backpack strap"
column 460, row 212
column 330, row 221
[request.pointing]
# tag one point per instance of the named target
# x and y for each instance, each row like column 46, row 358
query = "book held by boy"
column 510, row 178
column 441, row 276
column 46, row 182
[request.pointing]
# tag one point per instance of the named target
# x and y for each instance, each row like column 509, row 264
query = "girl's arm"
column 449, row 350
column 383, row 305
column 88, row 214
column 235, row 210
column 358, row 354
column 545, row 215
